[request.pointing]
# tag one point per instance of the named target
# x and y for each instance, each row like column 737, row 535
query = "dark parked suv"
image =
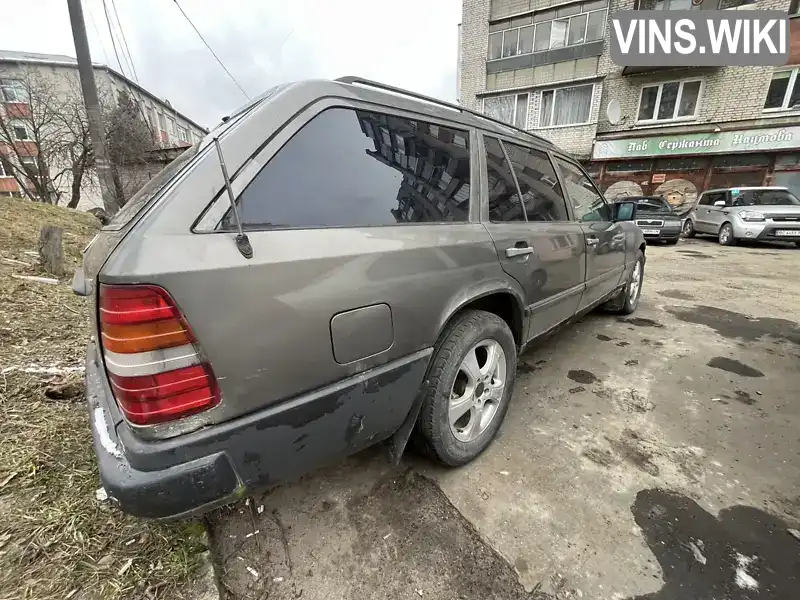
column 338, row 264
column 656, row 219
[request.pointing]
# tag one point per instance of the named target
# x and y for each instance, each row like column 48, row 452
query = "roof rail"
column 350, row 79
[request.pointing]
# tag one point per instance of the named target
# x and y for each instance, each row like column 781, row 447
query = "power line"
column 111, row 35
column 125, row 42
column 130, row 61
column 97, row 31
column 200, row 35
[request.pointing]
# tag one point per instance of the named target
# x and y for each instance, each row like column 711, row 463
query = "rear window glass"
column 138, row 201
column 652, row 205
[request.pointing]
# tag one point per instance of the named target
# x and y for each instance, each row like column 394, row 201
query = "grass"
column 56, row 539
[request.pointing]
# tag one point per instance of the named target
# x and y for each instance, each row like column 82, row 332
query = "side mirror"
column 624, row 211
column 719, row 203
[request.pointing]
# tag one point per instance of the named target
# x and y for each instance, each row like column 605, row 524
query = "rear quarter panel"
column 265, row 324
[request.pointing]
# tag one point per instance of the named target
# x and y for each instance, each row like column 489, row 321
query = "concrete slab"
column 650, row 456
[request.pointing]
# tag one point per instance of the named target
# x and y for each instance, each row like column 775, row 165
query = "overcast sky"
column 411, row 44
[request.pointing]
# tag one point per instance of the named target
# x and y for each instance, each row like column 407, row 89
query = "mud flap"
column 397, row 443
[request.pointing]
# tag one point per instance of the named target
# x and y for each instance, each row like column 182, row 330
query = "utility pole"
column 93, row 113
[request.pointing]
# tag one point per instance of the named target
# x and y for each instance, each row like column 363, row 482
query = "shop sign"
column 747, row 140
column 659, row 177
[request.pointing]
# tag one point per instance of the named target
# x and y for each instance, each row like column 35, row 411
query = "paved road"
column 656, row 456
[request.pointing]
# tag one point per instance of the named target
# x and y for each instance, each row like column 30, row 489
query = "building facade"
column 56, row 80
column 545, row 66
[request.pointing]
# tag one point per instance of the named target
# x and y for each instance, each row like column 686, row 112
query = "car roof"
column 357, row 88
column 746, row 187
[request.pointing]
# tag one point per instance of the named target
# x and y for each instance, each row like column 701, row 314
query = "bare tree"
column 45, row 143
column 31, row 138
column 129, row 141
column 76, row 151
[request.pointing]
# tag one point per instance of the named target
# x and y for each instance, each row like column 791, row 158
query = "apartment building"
column 545, row 65
column 58, row 75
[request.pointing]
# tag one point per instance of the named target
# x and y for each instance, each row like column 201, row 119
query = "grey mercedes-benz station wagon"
column 337, row 264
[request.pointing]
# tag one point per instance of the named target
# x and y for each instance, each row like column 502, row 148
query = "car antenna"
column 242, row 241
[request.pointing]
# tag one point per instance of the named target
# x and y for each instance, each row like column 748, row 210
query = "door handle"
column 512, row 252
column 592, row 241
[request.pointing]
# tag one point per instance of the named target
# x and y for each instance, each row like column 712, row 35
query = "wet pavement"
column 653, row 456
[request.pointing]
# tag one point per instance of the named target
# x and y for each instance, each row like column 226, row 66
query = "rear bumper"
column 193, row 473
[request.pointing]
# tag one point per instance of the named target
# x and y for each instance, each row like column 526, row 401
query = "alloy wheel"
column 636, row 281
column 477, row 390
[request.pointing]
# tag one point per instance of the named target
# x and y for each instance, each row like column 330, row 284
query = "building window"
column 19, row 131
column 510, row 109
column 183, row 134
column 671, row 101
column 13, row 90
column 556, row 28
column 783, row 92
column 794, row 7
column 5, row 171
column 673, row 5
column 162, row 122
column 29, row 164
column 566, row 106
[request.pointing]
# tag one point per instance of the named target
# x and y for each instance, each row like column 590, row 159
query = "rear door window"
column 352, row 168
column 587, row 202
column 542, row 197
column 541, row 191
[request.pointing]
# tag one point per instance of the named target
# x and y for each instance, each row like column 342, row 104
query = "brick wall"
column 728, row 93
column 474, row 47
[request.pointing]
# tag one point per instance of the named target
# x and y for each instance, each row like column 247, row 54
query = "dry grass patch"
column 56, row 539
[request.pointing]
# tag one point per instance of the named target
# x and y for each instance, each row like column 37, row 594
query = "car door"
column 716, row 214
column 536, row 243
column 704, row 216
column 605, row 239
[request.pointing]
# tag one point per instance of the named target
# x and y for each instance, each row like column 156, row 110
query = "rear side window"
column 149, row 191
column 709, row 199
column 543, row 199
column 541, row 192
column 351, row 168
column 587, row 202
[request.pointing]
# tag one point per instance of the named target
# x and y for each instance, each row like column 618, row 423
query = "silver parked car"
column 337, row 264
column 746, row 213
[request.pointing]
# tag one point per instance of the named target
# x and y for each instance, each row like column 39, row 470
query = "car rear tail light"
column 155, row 370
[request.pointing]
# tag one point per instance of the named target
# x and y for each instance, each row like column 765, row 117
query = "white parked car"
column 746, row 213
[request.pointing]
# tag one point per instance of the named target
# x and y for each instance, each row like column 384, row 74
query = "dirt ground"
column 57, row 540
column 654, row 456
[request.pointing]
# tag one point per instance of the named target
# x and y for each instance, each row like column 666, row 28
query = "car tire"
column 443, row 431
column 797, row 244
column 672, row 242
column 627, row 300
column 688, row 229
column 726, row 237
